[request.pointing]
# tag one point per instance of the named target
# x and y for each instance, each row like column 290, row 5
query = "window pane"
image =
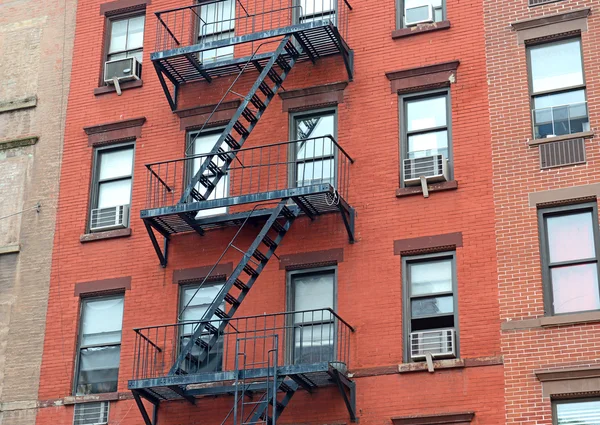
column 102, row 320
column 138, row 54
column 582, row 413
column 314, row 343
column 315, row 172
column 559, row 99
column 322, row 146
column 98, row 370
column 432, row 306
column 309, row 127
column 135, row 33
column 116, row 163
column 203, row 144
column 222, row 53
column 313, row 292
column 570, row 237
column 217, row 17
column 555, row 66
column 426, row 113
column 200, row 302
column 112, row 194
column 118, row 36
column 428, row 144
column 559, row 114
column 320, row 7
column 430, row 277
column 575, row 288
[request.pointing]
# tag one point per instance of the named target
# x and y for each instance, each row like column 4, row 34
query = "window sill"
column 551, row 321
column 95, row 398
column 420, row 29
column 438, row 364
column 111, row 89
column 436, row 187
column 111, row 234
column 10, row 249
column 582, row 135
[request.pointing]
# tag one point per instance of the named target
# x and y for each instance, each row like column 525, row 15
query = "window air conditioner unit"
column 440, row 343
column 122, row 70
column 91, row 414
column 418, row 12
column 109, row 218
column 434, row 168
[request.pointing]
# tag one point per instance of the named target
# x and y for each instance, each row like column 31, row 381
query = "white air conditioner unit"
column 91, row 413
column 441, row 343
column 109, row 218
column 122, row 70
column 434, row 168
column 418, row 12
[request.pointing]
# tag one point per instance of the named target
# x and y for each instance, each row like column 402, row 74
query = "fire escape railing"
column 310, row 337
column 217, row 20
column 259, row 169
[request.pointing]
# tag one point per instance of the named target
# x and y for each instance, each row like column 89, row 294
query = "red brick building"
column 383, row 209
column 543, row 90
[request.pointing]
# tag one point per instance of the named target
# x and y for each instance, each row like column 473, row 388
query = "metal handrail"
column 169, row 161
column 256, row 316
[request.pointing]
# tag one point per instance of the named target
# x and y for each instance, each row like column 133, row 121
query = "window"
column 569, row 239
column 557, row 88
column 314, row 153
column 425, row 123
column 580, row 412
column 216, row 22
column 313, row 331
column 111, row 191
column 126, row 38
column 430, row 305
column 99, row 345
column 413, row 12
column 198, row 300
column 203, row 143
column 316, row 10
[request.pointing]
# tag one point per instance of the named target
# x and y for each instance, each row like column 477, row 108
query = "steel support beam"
column 140, row 404
column 162, row 257
column 347, row 389
column 172, row 99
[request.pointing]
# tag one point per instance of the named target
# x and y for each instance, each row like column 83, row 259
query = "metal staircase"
column 237, row 286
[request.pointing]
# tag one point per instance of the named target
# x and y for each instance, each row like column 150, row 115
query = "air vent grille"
column 565, row 152
column 91, row 413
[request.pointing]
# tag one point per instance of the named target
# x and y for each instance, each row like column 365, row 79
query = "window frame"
column 213, row 281
column 95, row 183
column 293, row 133
column 561, row 40
column 217, row 35
column 79, row 347
column 563, row 210
column 407, row 261
column 110, row 20
column 556, row 402
column 400, row 14
column 289, row 305
column 403, row 127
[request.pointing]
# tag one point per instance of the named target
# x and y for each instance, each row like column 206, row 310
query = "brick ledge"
column 436, row 187
column 551, row 321
column 111, row 234
column 582, row 135
column 420, row 29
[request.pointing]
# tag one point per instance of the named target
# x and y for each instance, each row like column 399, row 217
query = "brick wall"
column 369, row 279
column 516, row 174
column 36, row 40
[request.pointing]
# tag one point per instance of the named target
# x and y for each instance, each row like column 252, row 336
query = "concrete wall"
column 35, row 46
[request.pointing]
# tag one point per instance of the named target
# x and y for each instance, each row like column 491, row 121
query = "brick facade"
column 531, row 341
column 369, row 288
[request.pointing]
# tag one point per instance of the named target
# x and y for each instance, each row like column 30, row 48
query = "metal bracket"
column 140, row 404
column 162, row 254
column 171, row 98
column 348, row 216
column 424, row 187
column 347, row 389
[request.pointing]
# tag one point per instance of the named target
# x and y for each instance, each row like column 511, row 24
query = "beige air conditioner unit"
column 91, row 414
column 109, row 218
column 122, row 70
column 434, row 168
column 441, row 343
column 418, row 12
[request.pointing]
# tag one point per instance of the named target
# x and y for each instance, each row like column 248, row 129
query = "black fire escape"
column 260, row 360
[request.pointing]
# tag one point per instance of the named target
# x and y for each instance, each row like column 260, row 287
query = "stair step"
column 274, row 76
column 240, row 285
column 201, row 343
column 278, row 227
column 287, row 213
column 283, row 64
column 221, row 314
column 224, row 155
column 269, row 242
column 257, row 102
column 197, row 195
column 250, row 271
column 231, row 142
column 259, row 255
column 240, row 129
column 266, row 90
column 215, row 169
column 206, row 182
column 291, row 49
column 232, row 300
column 285, row 387
column 249, row 115
column 211, row 328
